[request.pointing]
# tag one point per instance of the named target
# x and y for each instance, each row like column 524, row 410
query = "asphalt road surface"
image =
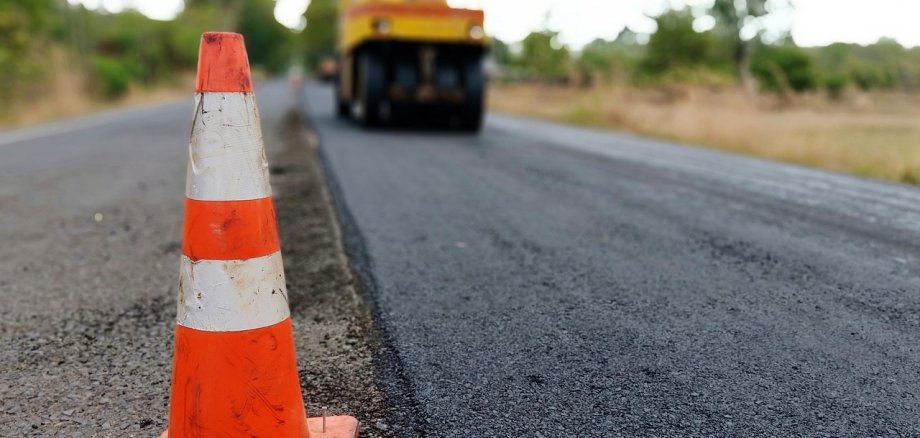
column 536, row 280
column 543, row 280
column 90, row 217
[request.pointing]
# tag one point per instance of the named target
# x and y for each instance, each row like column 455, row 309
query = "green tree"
column 227, row 12
column 543, row 57
column 601, row 59
column 181, row 36
column 835, row 84
column 676, row 44
column 785, row 68
column 500, row 52
column 21, row 26
column 319, row 37
column 596, row 58
column 267, row 41
column 733, row 19
column 885, row 64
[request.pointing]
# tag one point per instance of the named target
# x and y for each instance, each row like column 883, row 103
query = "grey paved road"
column 537, row 280
column 84, row 319
column 87, row 307
column 542, row 280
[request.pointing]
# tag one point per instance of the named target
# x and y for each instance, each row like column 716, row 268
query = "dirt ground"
column 337, row 359
column 868, row 134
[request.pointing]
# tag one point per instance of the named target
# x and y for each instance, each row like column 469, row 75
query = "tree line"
column 117, row 51
column 677, row 53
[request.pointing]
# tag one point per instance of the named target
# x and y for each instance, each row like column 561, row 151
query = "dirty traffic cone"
column 234, row 369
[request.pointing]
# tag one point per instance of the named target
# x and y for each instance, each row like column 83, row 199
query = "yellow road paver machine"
column 411, row 61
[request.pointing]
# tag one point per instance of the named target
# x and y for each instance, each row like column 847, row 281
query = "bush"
column 543, row 57
column 602, row 59
column 867, row 76
column 699, row 76
column 835, row 84
column 112, row 77
column 267, row 41
column 18, row 48
column 677, row 45
column 784, row 68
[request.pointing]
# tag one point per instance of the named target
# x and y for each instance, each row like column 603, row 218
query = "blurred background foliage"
column 679, row 54
column 318, row 38
column 41, row 40
column 114, row 53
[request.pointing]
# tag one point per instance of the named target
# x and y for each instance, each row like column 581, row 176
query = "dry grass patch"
column 876, row 135
column 62, row 91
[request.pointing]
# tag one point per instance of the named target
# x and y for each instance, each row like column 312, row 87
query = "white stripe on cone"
column 226, row 158
column 232, row 295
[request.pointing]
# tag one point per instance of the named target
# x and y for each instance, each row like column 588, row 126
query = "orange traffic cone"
column 234, row 369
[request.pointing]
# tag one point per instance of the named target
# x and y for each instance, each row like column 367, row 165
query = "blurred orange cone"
column 234, row 366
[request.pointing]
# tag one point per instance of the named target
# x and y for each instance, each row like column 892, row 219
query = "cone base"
column 340, row 426
column 336, row 427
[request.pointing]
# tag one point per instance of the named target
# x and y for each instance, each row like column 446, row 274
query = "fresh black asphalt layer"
column 542, row 280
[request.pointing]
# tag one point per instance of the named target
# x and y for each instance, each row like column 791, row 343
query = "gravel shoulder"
column 337, row 339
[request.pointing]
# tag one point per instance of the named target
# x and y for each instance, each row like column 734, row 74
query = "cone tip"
column 223, row 65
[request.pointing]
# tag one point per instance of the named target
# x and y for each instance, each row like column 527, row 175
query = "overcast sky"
column 813, row 22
